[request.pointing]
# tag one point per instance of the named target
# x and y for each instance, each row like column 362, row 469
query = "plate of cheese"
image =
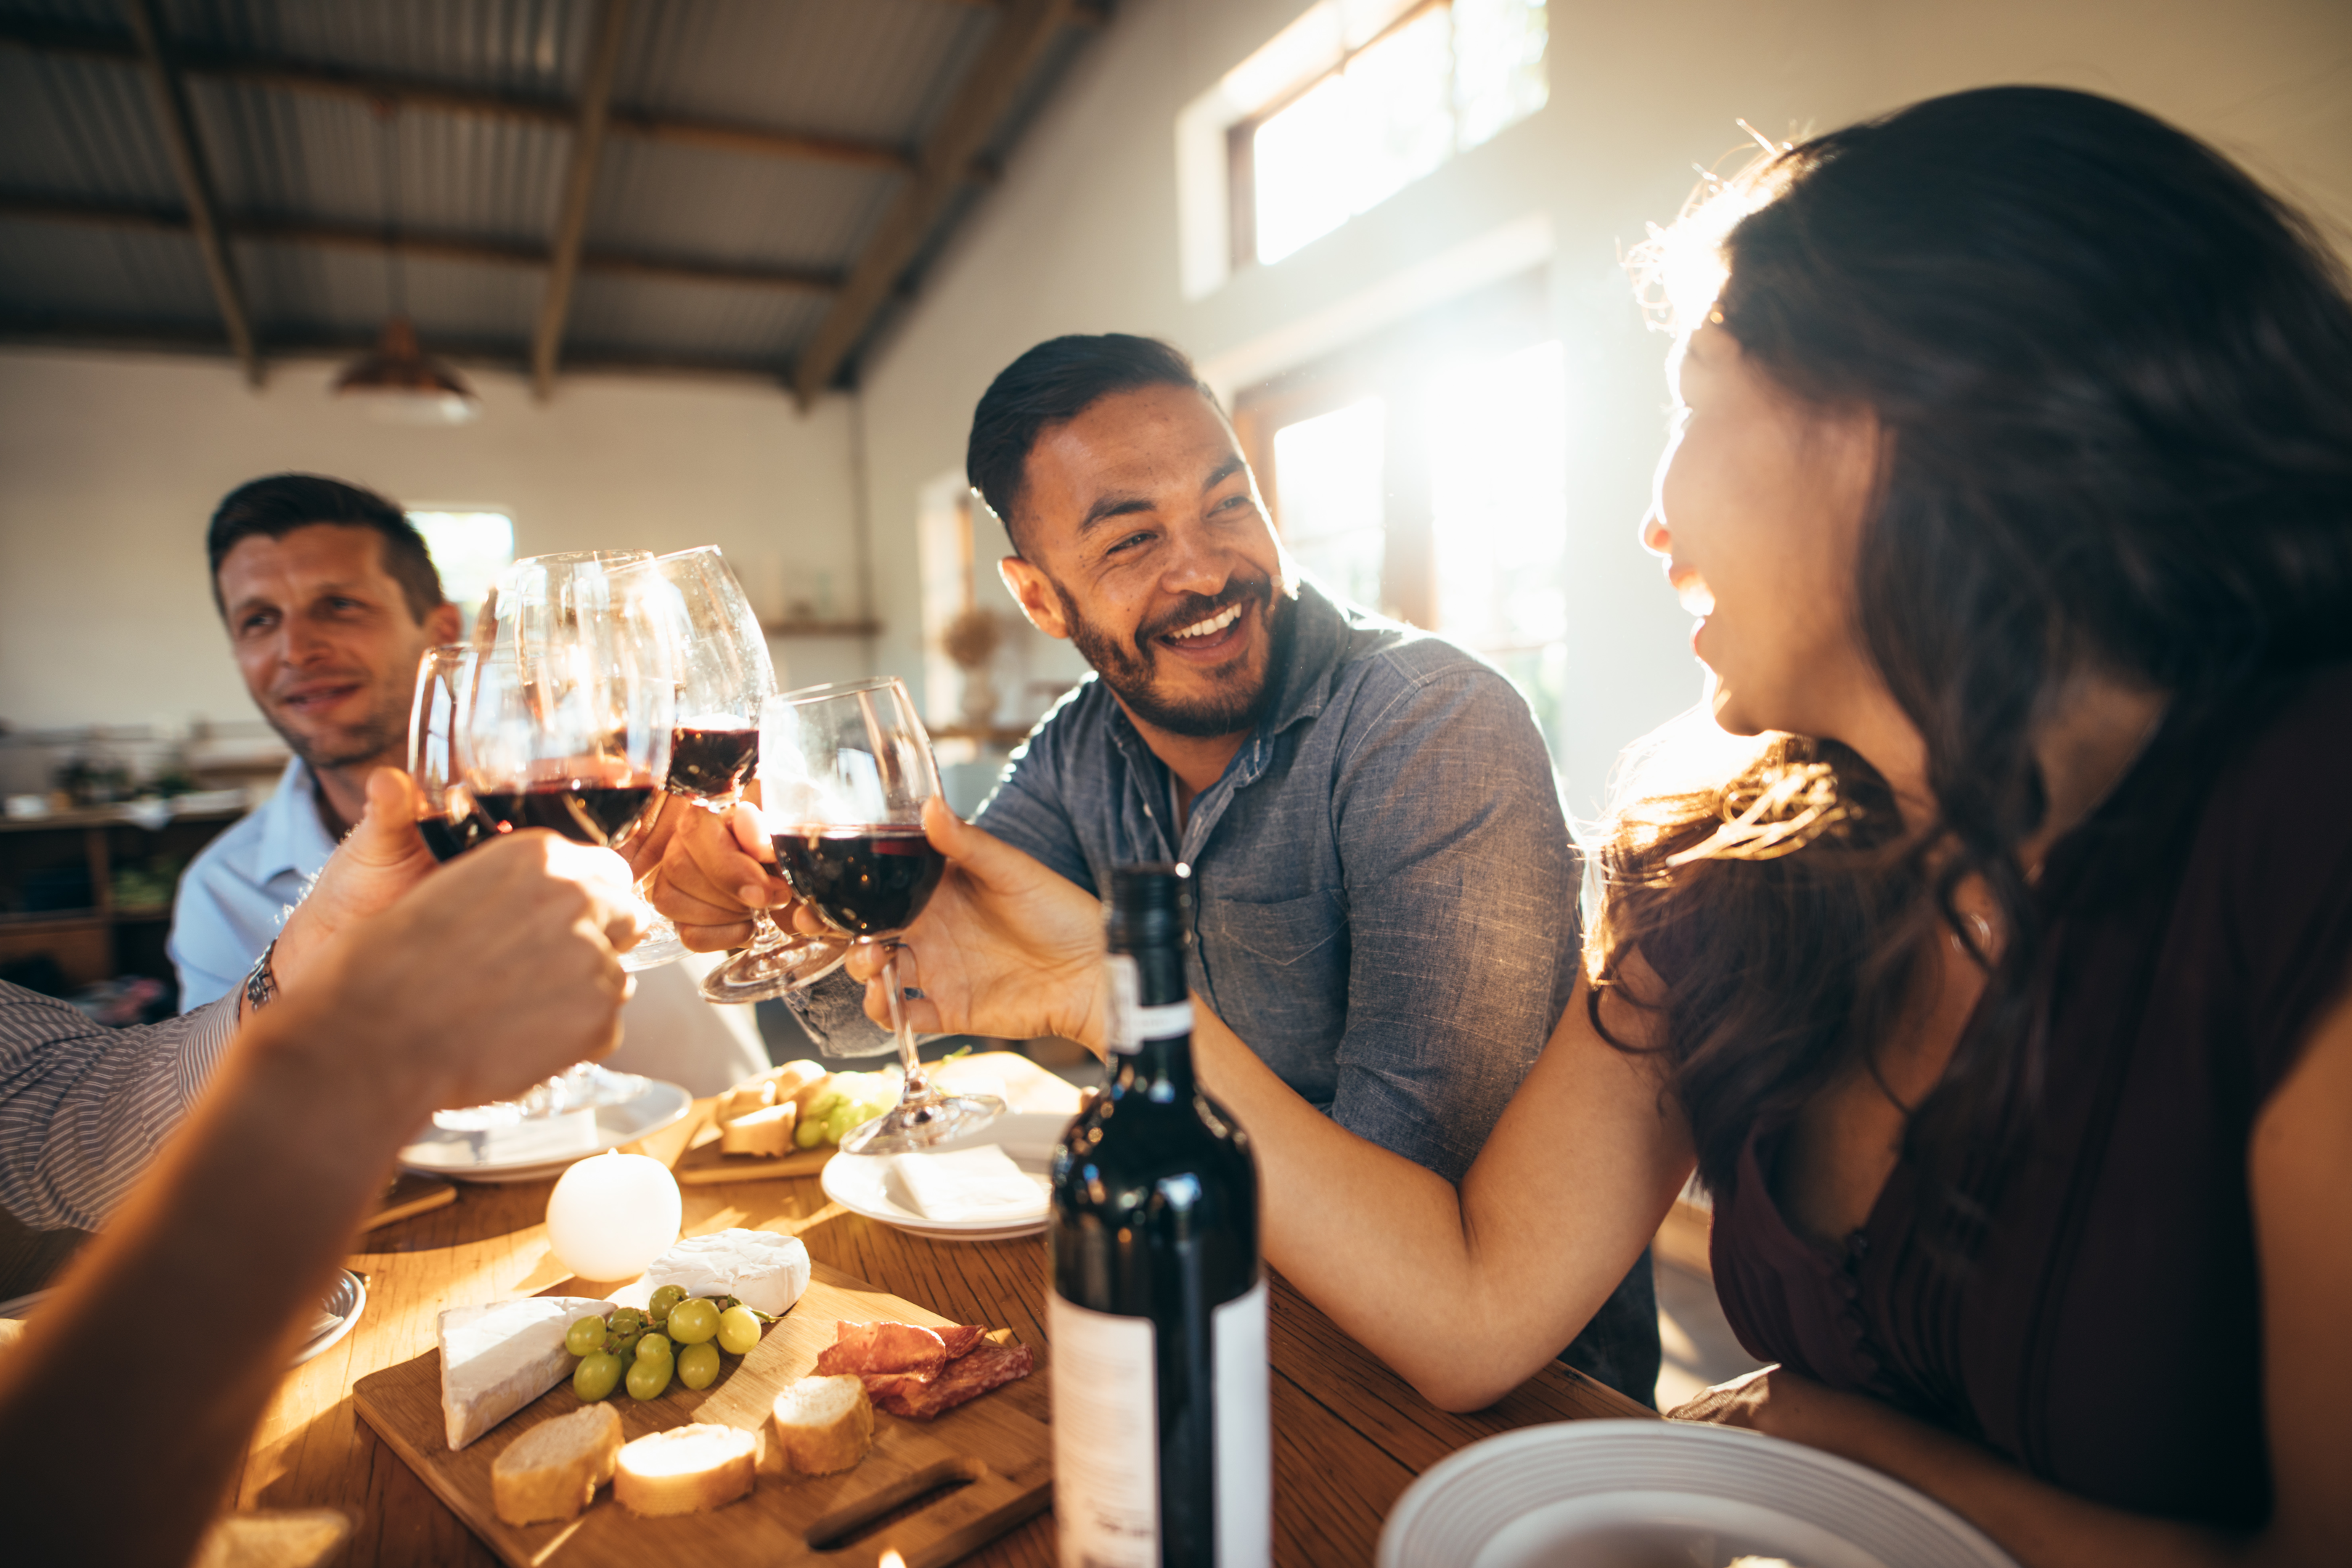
column 989, row 1186
column 1630, row 1494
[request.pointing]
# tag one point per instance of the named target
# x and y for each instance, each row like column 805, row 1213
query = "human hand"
column 484, row 979
column 1771, row 1399
column 715, row 870
column 380, row 858
column 1004, row 947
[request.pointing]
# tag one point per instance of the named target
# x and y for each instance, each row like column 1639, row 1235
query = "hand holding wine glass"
column 845, row 773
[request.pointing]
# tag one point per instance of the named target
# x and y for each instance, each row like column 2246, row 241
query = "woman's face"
column 1759, row 510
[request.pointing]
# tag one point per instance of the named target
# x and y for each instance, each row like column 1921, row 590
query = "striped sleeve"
column 83, row 1108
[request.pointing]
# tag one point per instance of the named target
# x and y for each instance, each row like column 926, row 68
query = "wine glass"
column 569, row 727
column 445, row 813
column 843, row 773
column 724, row 673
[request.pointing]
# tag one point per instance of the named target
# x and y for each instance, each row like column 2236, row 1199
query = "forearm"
column 293, row 1149
column 2039, row 1524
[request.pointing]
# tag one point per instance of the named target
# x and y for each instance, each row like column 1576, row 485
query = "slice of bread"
column 273, row 1538
column 821, row 1424
column 793, row 1076
column 686, row 1470
column 552, row 1471
column 746, row 1097
column 768, row 1132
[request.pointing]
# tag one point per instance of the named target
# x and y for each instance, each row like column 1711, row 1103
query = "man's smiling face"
column 325, row 641
column 1144, row 543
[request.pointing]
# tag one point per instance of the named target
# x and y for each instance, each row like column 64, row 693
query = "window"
column 469, row 549
column 1423, row 473
column 1360, row 97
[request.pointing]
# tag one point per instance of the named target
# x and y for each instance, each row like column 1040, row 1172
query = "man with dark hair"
column 331, row 599
column 1384, row 887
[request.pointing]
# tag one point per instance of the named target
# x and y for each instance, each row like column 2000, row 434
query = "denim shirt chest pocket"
column 1277, row 972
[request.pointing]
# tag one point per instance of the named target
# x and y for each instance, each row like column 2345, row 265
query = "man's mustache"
column 1195, row 609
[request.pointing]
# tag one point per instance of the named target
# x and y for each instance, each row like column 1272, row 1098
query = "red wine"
column 710, row 763
column 583, row 812
column 448, row 840
column 1157, row 1306
column 869, row 882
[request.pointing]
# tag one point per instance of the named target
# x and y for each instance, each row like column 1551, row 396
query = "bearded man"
column 1384, row 888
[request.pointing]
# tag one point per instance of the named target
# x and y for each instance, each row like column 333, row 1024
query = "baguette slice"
column 767, row 1132
column 273, row 1538
column 552, row 1471
column 746, row 1097
column 823, row 1424
column 686, row 1470
column 793, row 1076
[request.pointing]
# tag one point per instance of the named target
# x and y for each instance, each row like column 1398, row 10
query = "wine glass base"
column 659, row 945
column 759, row 974
column 915, row 1125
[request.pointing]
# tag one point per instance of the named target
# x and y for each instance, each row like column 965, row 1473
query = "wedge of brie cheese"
column 765, row 1271
column 499, row 1358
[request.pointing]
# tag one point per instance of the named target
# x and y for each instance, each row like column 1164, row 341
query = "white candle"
column 610, row 1216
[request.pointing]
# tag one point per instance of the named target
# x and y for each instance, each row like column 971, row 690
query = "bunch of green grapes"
column 848, row 1100
column 640, row 1349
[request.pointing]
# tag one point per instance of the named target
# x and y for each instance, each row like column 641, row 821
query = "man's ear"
column 442, row 623
column 1034, row 595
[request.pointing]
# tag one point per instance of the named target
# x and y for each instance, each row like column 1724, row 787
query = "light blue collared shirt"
column 239, row 891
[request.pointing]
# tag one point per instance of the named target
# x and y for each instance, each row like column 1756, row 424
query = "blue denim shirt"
column 1384, row 890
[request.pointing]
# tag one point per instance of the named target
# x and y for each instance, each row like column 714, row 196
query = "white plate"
column 1603, row 1494
column 440, row 1152
column 863, row 1184
column 345, row 1299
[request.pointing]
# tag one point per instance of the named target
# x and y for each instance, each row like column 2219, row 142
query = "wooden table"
column 1348, row 1435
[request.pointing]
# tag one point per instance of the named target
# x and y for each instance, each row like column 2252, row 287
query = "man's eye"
column 1130, row 543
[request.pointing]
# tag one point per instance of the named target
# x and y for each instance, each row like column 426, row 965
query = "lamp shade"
column 402, row 383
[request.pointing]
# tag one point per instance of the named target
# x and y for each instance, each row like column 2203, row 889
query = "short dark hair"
column 1052, row 384
column 276, row 506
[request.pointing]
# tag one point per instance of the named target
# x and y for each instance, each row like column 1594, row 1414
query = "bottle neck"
column 1160, row 1069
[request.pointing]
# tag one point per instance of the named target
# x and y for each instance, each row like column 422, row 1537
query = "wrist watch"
column 261, row 982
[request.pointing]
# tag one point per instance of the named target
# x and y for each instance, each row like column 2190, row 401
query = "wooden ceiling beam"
column 1021, row 32
column 430, row 246
column 188, row 166
column 409, row 92
column 579, row 191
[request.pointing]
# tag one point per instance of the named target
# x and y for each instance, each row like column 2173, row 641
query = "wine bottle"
column 1162, row 1453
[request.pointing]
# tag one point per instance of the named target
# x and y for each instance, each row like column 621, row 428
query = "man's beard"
column 1128, row 669
column 384, row 731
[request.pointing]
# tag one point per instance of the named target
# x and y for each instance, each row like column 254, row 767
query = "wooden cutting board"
column 1001, row 1455
column 702, row 1165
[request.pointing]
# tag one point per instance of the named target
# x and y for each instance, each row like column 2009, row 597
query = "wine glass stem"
column 916, row 1087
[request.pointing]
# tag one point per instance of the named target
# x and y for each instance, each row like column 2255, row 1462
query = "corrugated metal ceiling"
column 458, row 138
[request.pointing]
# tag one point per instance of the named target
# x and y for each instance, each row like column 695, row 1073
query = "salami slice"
column 871, row 1349
column 969, row 1376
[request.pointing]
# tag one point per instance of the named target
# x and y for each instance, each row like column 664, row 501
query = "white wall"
column 111, row 464
column 1081, row 237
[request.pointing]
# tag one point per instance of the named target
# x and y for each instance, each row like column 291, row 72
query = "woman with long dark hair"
column 2000, row 997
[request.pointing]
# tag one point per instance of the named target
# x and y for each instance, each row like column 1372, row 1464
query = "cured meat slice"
column 970, row 1375
column 960, row 1338
column 868, row 1349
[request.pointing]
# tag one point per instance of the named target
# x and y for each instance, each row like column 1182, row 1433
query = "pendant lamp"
column 402, row 385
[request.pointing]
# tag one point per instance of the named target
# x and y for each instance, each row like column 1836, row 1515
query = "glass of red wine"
column 724, row 673
column 843, row 774
column 445, row 812
column 568, row 727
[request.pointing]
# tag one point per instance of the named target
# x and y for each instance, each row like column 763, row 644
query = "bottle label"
column 1130, row 1022
column 1106, row 1436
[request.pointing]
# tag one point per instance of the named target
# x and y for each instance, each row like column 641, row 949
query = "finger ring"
column 912, row 993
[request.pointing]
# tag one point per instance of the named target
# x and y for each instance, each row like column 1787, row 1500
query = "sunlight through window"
column 1327, row 478
column 469, row 549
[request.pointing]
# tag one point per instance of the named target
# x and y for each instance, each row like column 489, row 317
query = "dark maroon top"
column 2106, row 1334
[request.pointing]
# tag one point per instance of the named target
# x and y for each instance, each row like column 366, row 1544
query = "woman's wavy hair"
column 2116, row 377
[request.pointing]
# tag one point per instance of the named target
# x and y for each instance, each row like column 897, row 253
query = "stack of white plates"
column 1632, row 1494
column 510, row 1154
column 867, row 1185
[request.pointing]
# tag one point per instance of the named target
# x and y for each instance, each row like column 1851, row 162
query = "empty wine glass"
column 843, row 774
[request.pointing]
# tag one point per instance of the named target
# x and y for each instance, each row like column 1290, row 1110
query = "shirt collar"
column 293, row 836
column 1321, row 635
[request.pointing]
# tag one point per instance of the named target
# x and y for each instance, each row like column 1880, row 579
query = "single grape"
column 625, row 1345
column 595, row 1375
column 628, row 1319
column 585, row 1337
column 649, row 1376
column 657, row 1309
column 738, row 1330
column 693, row 1321
column 697, row 1365
column 655, row 1345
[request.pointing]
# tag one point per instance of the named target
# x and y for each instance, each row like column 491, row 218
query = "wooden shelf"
column 822, row 628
